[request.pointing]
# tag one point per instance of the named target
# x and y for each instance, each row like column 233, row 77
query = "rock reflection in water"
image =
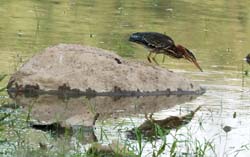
column 57, row 115
column 49, row 109
column 77, row 115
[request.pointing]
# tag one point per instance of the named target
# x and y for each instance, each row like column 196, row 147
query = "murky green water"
column 218, row 32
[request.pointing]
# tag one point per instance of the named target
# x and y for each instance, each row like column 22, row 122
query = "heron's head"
column 187, row 54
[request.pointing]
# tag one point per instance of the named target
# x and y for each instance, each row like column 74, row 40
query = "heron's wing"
column 172, row 52
column 158, row 40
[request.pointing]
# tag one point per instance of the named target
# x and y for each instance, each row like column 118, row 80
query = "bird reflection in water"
column 153, row 129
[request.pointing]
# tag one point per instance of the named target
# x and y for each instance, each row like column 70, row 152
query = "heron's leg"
column 150, row 117
column 155, row 59
column 164, row 54
column 163, row 59
column 150, row 53
column 95, row 118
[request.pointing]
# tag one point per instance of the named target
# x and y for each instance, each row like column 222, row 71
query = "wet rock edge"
column 66, row 91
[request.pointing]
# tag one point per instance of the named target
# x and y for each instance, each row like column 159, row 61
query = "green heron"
column 162, row 44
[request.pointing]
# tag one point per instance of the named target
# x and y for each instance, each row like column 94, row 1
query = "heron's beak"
column 190, row 57
column 197, row 65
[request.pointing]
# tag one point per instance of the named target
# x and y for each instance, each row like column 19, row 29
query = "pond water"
column 216, row 31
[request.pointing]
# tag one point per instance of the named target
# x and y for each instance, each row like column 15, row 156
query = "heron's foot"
column 149, row 55
column 155, row 61
column 95, row 118
column 149, row 60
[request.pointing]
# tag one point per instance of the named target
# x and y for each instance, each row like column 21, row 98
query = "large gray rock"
column 68, row 66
